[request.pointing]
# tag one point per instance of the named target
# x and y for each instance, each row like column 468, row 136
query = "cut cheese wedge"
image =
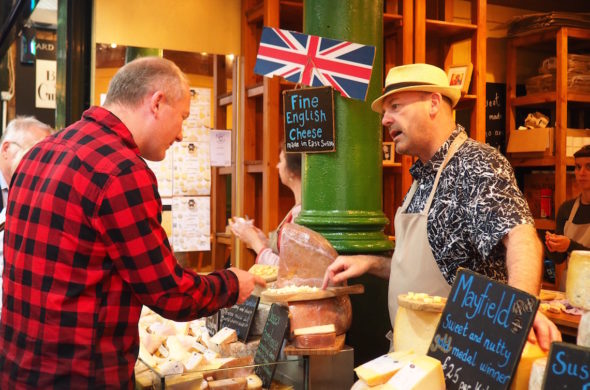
column 224, row 336
column 530, row 353
column 537, row 373
column 421, row 372
column 378, row 371
column 319, row 329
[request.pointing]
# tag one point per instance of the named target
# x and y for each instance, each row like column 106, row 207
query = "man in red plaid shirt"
column 84, row 245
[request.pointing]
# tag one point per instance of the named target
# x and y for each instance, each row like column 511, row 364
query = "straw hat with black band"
column 417, row 77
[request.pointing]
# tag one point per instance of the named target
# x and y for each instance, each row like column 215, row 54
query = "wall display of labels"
column 482, row 331
column 309, row 120
column 191, row 223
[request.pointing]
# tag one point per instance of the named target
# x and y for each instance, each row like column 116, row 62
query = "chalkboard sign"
column 240, row 317
column 271, row 343
column 309, row 120
column 495, row 116
column 568, row 367
column 212, row 324
column 482, row 331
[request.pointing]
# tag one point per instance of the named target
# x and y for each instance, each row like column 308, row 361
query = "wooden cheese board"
column 277, row 296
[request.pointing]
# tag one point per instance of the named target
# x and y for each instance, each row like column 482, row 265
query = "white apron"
column 578, row 233
column 413, row 267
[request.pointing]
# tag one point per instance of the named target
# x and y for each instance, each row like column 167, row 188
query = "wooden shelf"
column 451, row 31
column 224, row 238
column 226, row 99
column 532, row 162
column 544, row 224
column 255, row 90
column 224, row 170
column 549, row 98
column 466, row 101
column 392, row 24
column 255, row 166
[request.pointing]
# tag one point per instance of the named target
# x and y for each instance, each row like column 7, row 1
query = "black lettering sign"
column 271, row 343
column 240, row 317
column 309, row 120
column 482, row 331
column 212, row 324
column 495, row 116
column 568, row 367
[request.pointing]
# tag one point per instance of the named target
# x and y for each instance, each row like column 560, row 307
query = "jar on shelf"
column 546, row 195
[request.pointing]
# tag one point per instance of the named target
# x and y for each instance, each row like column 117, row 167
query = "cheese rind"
column 319, row 329
column 378, row 371
column 414, row 329
column 421, row 372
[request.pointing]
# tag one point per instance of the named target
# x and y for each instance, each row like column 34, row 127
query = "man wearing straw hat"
column 464, row 208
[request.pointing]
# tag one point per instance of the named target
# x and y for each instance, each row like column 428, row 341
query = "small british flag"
column 316, row 61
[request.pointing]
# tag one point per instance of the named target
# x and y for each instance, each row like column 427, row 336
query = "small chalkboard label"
column 240, row 317
column 271, row 343
column 309, row 120
column 495, row 120
column 212, row 324
column 482, row 331
column 568, row 367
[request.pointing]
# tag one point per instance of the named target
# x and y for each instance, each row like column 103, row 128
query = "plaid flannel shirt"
column 84, row 251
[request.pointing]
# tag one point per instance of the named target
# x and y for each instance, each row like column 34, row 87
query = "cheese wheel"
column 577, row 286
column 337, row 311
column 421, row 372
column 321, row 340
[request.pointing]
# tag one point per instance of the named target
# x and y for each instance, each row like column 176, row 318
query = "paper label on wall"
column 220, row 148
column 192, row 170
column 191, row 223
column 195, row 127
column 45, row 75
column 163, row 171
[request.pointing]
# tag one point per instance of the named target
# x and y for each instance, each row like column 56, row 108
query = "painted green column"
column 342, row 191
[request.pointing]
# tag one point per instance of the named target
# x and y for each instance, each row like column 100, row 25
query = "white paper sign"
column 45, row 71
column 192, row 171
column 220, row 148
column 191, row 223
column 163, row 171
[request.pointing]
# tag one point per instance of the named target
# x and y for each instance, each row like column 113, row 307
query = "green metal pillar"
column 342, row 191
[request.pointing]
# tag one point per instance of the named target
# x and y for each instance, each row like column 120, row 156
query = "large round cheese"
column 416, row 321
column 577, row 287
column 337, row 311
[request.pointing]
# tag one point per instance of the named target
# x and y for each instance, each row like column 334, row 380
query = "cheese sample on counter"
column 537, row 373
column 583, row 339
column 577, row 285
column 530, row 353
column 421, row 372
column 378, row 371
column 224, row 336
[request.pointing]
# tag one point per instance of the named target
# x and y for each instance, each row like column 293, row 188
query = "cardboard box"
column 537, row 142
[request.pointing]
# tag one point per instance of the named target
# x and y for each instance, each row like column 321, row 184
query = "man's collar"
column 420, row 169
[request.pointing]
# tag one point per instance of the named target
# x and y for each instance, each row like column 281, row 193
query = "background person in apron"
column 464, row 208
column 572, row 225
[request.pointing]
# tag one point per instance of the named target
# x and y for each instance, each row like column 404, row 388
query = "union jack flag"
column 316, row 61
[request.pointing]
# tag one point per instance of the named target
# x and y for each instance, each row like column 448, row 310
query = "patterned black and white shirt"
column 476, row 204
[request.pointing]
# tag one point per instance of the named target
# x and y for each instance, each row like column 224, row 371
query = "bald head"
column 21, row 134
column 141, row 78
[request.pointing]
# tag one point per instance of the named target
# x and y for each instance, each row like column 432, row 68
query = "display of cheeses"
column 403, row 370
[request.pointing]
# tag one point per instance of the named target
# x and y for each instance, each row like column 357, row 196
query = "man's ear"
column 435, row 103
column 4, row 147
column 156, row 101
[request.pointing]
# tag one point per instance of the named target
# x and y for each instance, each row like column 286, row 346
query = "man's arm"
column 346, row 267
column 524, row 254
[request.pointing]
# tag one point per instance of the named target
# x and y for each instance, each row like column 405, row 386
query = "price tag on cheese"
column 482, row 332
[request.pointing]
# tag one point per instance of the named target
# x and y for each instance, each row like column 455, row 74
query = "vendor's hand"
column 250, row 235
column 344, row 268
column 247, row 282
column 556, row 242
column 544, row 332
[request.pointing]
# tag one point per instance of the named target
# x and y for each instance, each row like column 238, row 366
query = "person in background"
column 84, row 245
column 572, row 224
column 267, row 250
column 464, row 208
column 19, row 136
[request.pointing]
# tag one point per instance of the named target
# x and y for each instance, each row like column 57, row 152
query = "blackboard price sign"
column 240, row 317
column 271, row 343
column 482, row 331
column 495, row 111
column 309, row 120
column 212, row 324
column 568, row 367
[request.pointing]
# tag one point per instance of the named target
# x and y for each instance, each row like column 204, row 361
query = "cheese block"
column 537, row 373
column 321, row 340
column 416, row 321
column 224, row 336
column 584, row 330
column 239, row 349
column 378, row 371
column 362, row 385
column 253, row 382
column 577, row 286
column 420, row 373
column 337, row 311
column 319, row 329
column 530, row 353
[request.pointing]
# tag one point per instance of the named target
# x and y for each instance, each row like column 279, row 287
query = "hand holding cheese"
column 247, row 282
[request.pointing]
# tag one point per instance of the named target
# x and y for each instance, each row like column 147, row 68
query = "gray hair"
column 142, row 77
column 23, row 124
